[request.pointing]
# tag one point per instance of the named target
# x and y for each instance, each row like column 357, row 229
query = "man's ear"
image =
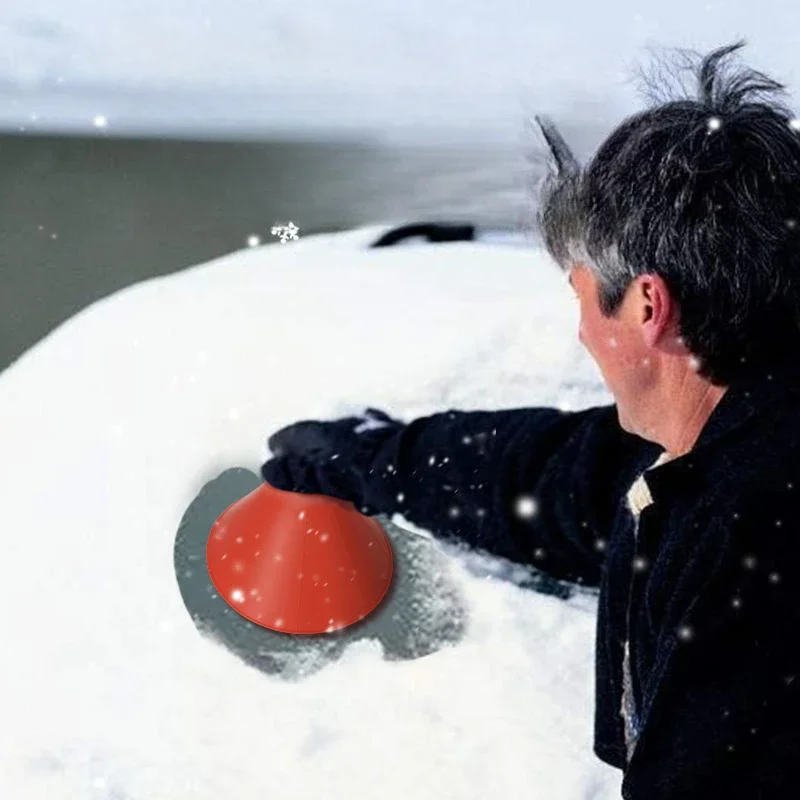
column 657, row 307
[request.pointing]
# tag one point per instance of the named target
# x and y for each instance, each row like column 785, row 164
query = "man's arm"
column 535, row 485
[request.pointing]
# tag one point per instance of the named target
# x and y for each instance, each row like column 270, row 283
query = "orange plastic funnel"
column 298, row 563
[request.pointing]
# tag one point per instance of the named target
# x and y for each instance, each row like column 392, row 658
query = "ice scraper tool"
column 298, row 563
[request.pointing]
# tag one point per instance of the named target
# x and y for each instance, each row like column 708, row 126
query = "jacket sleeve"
column 534, row 485
column 725, row 716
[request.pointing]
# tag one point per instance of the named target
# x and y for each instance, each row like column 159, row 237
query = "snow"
column 112, row 423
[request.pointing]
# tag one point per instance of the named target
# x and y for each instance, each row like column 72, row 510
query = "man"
column 681, row 241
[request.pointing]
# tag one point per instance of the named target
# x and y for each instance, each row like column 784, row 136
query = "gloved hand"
column 329, row 458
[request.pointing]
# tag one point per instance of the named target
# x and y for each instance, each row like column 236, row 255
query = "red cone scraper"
column 299, row 563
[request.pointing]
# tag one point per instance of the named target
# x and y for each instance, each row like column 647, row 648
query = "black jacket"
column 711, row 581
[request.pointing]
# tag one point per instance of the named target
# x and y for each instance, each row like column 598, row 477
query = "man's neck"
column 688, row 402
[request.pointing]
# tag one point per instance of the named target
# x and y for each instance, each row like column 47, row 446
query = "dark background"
column 84, row 216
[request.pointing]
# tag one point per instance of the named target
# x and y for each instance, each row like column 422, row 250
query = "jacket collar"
column 751, row 395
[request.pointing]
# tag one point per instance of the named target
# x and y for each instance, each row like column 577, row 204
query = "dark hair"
column 704, row 192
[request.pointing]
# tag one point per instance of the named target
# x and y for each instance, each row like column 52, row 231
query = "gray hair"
column 704, row 192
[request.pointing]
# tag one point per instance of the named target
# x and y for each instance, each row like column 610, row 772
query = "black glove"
column 330, row 458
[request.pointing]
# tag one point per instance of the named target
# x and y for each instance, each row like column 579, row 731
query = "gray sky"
column 474, row 58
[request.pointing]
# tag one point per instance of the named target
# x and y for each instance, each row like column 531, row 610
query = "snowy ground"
column 110, row 426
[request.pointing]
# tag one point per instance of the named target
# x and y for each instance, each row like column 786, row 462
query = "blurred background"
column 140, row 137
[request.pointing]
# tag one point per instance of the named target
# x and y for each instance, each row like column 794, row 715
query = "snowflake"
column 685, row 633
column 694, row 363
column 401, row 497
column 795, row 124
column 749, row 561
column 525, row 507
column 640, row 563
column 237, row 595
column 100, row 121
column 253, row 240
column 714, row 124
column 285, row 232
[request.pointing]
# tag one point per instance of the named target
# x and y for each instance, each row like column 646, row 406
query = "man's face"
column 616, row 345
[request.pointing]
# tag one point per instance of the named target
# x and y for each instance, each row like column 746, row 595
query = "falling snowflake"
column 401, row 497
column 714, row 124
column 749, row 562
column 640, row 563
column 237, row 595
column 100, row 121
column 694, row 363
column 795, row 124
column 286, row 232
column 525, row 507
column 685, row 633
column 253, row 240
column 323, row 537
